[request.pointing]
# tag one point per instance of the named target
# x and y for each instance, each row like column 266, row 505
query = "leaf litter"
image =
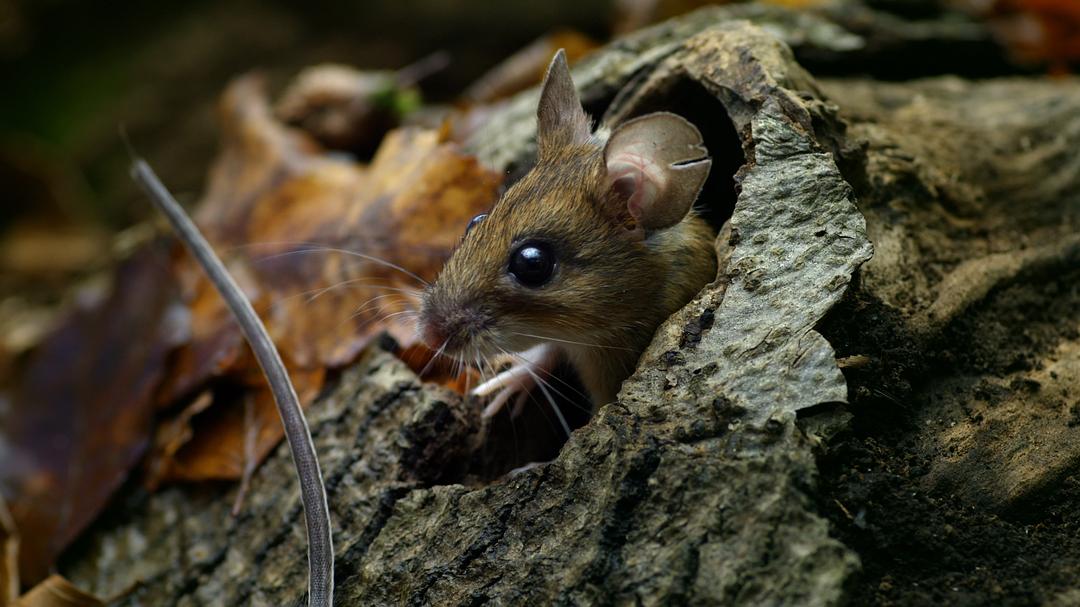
column 330, row 252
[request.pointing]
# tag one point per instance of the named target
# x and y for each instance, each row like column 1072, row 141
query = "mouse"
column 582, row 258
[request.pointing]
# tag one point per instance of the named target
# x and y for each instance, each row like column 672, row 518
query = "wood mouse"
column 583, row 258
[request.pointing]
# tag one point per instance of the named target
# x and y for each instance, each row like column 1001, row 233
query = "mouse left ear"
column 560, row 119
column 656, row 166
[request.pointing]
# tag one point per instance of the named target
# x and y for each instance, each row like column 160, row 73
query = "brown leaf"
column 291, row 231
column 214, row 448
column 209, row 351
column 1045, row 32
column 81, row 413
column 56, row 591
column 36, row 247
column 290, row 239
column 171, row 436
column 258, row 154
column 408, row 208
column 343, row 107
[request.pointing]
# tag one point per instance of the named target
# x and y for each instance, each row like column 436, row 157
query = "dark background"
column 73, row 72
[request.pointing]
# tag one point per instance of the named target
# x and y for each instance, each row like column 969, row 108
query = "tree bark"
column 700, row 485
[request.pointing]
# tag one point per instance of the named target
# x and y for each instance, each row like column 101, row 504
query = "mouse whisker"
column 544, row 385
column 573, row 401
column 315, row 248
column 383, row 318
column 435, row 357
column 317, row 293
column 551, row 401
column 313, row 294
column 569, row 341
column 367, row 305
column 378, row 317
column 479, row 367
column 395, row 315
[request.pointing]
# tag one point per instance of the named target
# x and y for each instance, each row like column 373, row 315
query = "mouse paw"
column 518, row 380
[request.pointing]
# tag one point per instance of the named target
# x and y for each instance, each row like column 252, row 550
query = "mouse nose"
column 449, row 328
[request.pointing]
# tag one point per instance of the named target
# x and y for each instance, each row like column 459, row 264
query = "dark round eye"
column 474, row 221
column 532, row 264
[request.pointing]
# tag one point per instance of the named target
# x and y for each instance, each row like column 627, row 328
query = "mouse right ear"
column 560, row 119
column 656, row 167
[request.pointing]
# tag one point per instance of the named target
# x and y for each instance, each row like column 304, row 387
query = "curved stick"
column 312, row 492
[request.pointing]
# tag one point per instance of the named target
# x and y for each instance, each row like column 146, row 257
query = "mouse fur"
column 619, row 270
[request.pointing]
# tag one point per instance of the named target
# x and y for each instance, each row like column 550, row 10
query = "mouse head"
column 569, row 253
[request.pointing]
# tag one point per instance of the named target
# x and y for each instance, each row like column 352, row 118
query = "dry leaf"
column 292, row 243
column 56, row 591
column 346, row 108
column 81, row 413
column 170, row 436
column 215, row 448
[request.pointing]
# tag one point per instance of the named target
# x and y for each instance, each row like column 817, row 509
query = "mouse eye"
column 474, row 221
column 532, row 264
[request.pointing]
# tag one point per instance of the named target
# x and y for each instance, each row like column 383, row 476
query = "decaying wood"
column 697, row 485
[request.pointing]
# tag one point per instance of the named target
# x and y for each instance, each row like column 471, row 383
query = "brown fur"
column 614, row 282
column 609, row 288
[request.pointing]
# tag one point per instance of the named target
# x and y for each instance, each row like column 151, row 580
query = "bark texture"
column 697, row 486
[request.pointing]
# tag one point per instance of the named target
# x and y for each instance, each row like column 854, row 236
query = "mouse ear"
column 560, row 119
column 656, row 166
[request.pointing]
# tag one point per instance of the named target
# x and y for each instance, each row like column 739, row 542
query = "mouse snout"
column 450, row 328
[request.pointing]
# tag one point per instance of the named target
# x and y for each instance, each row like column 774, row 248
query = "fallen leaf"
column 330, row 252
column 170, row 436
column 215, row 449
column 80, row 414
column 56, row 591
column 346, row 108
column 82, row 409
column 408, row 209
column 208, row 350
column 258, row 154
